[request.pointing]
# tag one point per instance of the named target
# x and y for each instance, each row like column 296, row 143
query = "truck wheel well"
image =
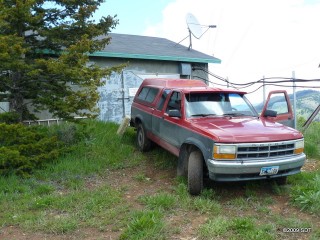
column 137, row 121
column 190, row 148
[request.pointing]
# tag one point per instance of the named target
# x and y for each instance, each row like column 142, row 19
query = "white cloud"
column 253, row 38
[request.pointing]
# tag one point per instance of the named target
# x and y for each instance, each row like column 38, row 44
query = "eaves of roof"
column 155, row 57
column 150, row 48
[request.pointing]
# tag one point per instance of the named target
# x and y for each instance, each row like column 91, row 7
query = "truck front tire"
column 281, row 180
column 144, row 144
column 195, row 173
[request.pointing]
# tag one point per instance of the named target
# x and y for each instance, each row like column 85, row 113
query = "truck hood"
column 248, row 129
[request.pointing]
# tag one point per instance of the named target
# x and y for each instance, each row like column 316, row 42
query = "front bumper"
column 243, row 170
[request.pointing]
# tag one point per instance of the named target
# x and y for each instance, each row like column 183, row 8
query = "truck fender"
column 198, row 144
column 138, row 119
column 186, row 148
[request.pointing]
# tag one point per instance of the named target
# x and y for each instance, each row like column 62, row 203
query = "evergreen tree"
column 44, row 56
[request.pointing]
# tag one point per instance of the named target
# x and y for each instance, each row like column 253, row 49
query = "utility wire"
column 279, row 85
column 264, row 81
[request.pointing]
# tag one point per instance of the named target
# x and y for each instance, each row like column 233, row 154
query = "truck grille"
column 265, row 150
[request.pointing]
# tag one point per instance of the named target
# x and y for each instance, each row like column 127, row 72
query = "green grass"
column 161, row 201
column 311, row 138
column 60, row 212
column 141, row 177
column 60, row 200
column 162, row 159
column 235, row 228
column 204, row 205
column 306, row 192
column 55, row 198
column 145, row 225
column 102, row 150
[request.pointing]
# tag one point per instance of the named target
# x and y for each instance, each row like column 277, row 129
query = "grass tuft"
column 306, row 195
column 160, row 201
column 145, row 225
column 235, row 228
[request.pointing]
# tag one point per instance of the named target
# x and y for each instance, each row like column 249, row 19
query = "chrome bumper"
column 238, row 170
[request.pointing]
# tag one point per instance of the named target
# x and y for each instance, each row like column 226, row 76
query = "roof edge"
column 155, row 57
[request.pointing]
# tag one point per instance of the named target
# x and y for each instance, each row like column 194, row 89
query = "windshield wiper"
column 203, row 115
column 235, row 114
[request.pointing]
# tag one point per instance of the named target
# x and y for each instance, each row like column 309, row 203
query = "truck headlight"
column 224, row 152
column 299, row 146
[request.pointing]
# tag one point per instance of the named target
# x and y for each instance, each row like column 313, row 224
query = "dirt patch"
column 311, row 165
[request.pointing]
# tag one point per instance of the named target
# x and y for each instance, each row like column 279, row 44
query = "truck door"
column 169, row 125
column 157, row 114
column 279, row 102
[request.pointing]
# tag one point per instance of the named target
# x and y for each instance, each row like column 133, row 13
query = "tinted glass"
column 217, row 104
column 148, row 94
column 152, row 94
column 143, row 94
column 163, row 99
column 174, row 102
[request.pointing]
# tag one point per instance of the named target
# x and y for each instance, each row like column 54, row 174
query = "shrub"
column 71, row 133
column 24, row 148
column 9, row 117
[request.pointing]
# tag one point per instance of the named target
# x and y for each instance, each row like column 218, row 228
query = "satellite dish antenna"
column 195, row 28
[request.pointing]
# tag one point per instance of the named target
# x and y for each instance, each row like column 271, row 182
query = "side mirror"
column 174, row 113
column 270, row 113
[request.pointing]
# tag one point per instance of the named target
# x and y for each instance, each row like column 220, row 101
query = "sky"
column 253, row 38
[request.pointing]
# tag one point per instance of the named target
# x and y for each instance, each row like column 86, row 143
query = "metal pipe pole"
column 264, row 91
column 123, row 96
column 294, row 100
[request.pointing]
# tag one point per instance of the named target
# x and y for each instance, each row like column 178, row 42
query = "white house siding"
column 117, row 94
column 4, row 107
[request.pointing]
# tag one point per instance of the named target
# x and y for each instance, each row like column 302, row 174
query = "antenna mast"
column 190, row 39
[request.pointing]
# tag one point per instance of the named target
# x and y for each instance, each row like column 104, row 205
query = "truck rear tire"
column 195, row 173
column 144, row 144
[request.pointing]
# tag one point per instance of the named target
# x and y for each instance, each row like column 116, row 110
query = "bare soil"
column 188, row 222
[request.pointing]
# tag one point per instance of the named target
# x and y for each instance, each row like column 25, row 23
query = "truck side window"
column 148, row 94
column 143, row 93
column 163, row 99
column 152, row 94
column 174, row 102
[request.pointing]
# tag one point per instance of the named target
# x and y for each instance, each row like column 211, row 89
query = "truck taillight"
column 224, row 152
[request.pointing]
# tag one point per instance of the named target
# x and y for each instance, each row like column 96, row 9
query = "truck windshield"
column 217, row 104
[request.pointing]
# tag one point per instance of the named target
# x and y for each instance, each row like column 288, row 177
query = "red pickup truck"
column 217, row 133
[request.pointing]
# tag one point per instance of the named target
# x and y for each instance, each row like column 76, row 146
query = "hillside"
column 307, row 102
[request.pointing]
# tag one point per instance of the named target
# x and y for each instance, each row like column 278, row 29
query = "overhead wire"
column 279, row 85
column 265, row 81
